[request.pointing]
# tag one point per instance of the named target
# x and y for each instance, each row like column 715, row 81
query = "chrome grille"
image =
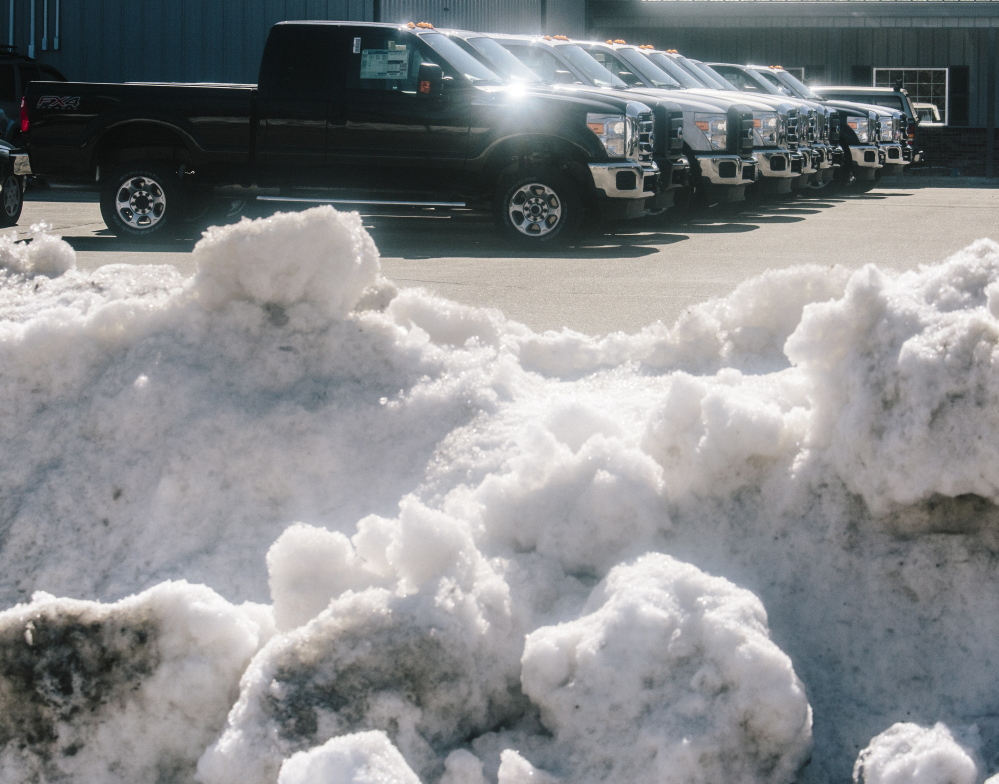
column 740, row 131
column 675, row 141
column 746, row 134
column 834, row 129
column 646, row 136
column 793, row 130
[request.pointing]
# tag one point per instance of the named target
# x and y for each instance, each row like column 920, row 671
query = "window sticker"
column 385, row 63
column 357, row 46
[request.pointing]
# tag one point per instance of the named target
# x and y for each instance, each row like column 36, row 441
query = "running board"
column 365, row 202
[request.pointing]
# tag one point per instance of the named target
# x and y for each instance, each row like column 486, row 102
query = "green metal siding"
column 828, row 38
column 182, row 40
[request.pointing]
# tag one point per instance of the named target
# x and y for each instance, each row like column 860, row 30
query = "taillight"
column 25, row 120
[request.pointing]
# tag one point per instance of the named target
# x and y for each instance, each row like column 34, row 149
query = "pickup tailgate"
column 70, row 124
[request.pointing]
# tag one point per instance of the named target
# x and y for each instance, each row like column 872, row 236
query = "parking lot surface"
column 626, row 276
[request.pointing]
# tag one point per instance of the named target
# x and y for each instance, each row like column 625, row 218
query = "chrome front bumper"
column 894, row 154
column 624, row 180
column 775, row 163
column 721, row 169
column 866, row 156
column 809, row 160
column 825, row 156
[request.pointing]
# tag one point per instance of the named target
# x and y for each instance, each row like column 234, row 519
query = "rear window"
column 30, row 72
column 50, row 74
column 299, row 61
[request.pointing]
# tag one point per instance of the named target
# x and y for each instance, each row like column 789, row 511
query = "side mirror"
column 429, row 80
column 563, row 77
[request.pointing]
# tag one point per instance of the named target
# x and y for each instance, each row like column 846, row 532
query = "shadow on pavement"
column 428, row 233
column 112, row 243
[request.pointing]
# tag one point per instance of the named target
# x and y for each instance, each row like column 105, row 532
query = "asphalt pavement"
column 620, row 277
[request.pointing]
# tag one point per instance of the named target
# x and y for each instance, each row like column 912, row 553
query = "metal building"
column 943, row 50
column 221, row 40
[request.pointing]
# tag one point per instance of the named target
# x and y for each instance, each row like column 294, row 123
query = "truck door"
column 383, row 133
column 297, row 79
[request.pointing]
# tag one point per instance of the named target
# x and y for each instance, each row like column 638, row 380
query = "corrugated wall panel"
column 221, row 40
column 834, row 50
column 175, row 40
column 511, row 16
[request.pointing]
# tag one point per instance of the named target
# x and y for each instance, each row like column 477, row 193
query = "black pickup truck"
column 347, row 113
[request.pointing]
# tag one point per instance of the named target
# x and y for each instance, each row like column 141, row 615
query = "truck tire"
column 143, row 202
column 538, row 209
column 11, row 201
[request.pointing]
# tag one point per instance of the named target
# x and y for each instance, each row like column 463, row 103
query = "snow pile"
column 432, row 662
column 490, row 556
column 317, row 258
column 908, row 753
column 682, row 663
column 912, row 360
column 364, row 758
column 46, row 254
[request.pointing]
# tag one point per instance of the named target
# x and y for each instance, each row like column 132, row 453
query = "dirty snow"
column 311, row 528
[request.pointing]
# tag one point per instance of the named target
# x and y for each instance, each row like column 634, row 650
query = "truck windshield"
column 647, row 69
column 665, row 62
column 590, row 68
column 797, row 86
column 775, row 84
column 502, row 60
column 460, row 60
column 703, row 79
column 713, row 78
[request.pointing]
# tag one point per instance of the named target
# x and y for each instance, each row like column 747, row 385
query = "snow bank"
column 489, row 555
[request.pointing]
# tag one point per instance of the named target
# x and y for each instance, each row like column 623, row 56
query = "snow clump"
column 906, row 753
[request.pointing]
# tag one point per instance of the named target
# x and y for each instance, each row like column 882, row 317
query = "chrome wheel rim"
column 11, row 196
column 140, row 203
column 535, row 209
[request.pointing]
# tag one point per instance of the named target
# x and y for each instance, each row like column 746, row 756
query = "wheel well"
column 531, row 152
column 141, row 141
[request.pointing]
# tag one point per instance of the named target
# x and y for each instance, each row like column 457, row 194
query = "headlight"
column 887, row 129
column 861, row 126
column 614, row 132
column 715, row 127
column 768, row 127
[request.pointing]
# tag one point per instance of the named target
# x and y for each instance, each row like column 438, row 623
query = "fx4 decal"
column 59, row 102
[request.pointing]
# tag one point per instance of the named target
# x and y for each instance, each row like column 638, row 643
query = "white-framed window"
column 798, row 73
column 924, row 85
